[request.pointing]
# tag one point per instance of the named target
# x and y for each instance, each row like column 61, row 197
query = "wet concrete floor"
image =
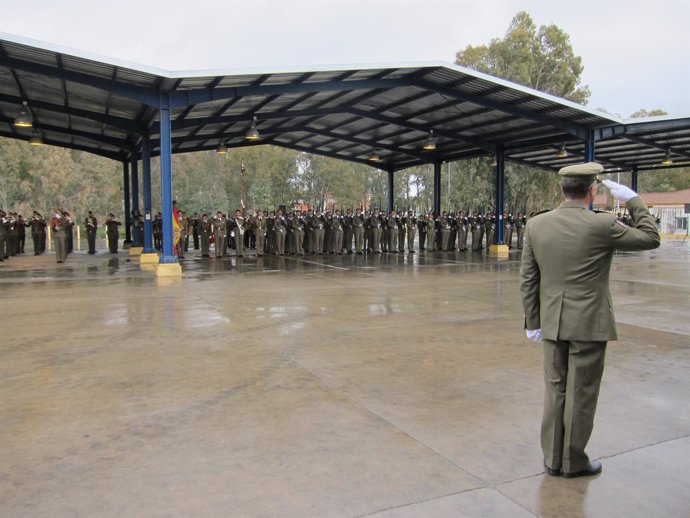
column 337, row 386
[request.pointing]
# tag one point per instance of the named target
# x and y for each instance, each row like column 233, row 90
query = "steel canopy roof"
column 104, row 106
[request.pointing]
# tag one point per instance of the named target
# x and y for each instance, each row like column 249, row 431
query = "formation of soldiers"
column 273, row 232
column 330, row 232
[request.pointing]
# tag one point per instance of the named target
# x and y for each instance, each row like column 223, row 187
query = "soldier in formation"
column 91, row 224
column 112, row 226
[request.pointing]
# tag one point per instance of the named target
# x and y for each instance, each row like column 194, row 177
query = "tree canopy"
column 540, row 58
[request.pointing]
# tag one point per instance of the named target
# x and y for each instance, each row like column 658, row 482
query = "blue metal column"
column 589, row 147
column 437, row 187
column 589, row 153
column 136, row 235
column 166, row 180
column 146, row 167
column 128, row 220
column 633, row 179
column 390, row 194
column 500, row 195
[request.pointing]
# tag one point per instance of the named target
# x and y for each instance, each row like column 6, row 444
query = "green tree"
column 541, row 58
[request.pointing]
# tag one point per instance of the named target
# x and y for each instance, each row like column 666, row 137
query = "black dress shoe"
column 593, row 469
column 552, row 472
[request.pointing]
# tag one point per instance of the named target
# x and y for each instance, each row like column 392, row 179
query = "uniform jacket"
column 564, row 277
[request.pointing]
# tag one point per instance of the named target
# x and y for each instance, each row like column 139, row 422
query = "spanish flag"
column 177, row 228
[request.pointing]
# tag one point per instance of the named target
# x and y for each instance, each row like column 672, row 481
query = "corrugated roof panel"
column 84, row 66
column 136, row 77
column 31, row 54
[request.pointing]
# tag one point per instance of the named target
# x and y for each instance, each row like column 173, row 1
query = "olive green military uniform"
column 57, row 226
column 358, row 223
column 112, row 231
column 239, row 228
column 411, row 224
column 91, row 224
column 280, row 228
column 564, row 280
column 220, row 229
column 392, row 226
column 205, row 229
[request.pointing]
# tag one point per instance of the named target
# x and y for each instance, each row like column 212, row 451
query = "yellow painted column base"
column 169, row 270
column 136, row 250
column 148, row 258
column 499, row 251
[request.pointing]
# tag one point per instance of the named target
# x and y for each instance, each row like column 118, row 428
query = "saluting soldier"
column 298, row 230
column 490, row 226
column 280, row 227
column 463, row 226
column 348, row 231
column 421, row 227
column 444, row 223
column 317, row 224
column 220, row 230
column 337, row 229
column 112, row 232
column 376, row 225
column 21, row 226
column 158, row 232
column 12, row 234
column 392, row 227
column 205, row 228
column 239, row 228
column 411, row 224
column 4, row 224
column 194, row 223
column 57, row 226
column 430, row 232
column 358, row 223
column 290, row 248
column 564, row 282
column 508, row 229
column 38, row 233
column 69, row 231
column 400, row 220
column 91, row 224
column 258, row 223
column 328, row 232
column 520, row 222
column 475, row 225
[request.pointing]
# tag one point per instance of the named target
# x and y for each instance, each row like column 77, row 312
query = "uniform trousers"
column 91, row 239
column 410, row 239
column 337, row 241
column 359, row 239
column 60, row 244
column 572, row 377
column 260, row 241
column 280, row 241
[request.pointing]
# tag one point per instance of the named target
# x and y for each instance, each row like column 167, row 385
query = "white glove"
column 534, row 335
column 620, row 192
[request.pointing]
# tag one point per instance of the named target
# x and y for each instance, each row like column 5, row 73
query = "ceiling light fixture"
column 563, row 153
column 252, row 133
column 374, row 156
column 222, row 149
column 667, row 158
column 36, row 139
column 430, row 142
column 24, row 118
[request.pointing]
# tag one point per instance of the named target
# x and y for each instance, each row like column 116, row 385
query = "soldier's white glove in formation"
column 534, row 335
column 620, row 192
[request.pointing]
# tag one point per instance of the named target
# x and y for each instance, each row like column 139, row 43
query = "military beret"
column 585, row 171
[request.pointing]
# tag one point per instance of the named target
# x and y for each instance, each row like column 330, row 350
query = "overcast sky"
column 636, row 53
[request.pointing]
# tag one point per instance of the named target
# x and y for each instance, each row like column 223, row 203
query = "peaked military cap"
column 588, row 170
